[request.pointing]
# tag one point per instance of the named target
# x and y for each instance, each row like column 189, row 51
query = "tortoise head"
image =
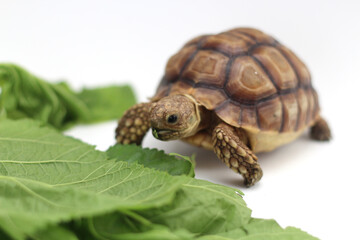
column 174, row 117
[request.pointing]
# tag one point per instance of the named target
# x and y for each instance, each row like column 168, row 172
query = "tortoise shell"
column 247, row 78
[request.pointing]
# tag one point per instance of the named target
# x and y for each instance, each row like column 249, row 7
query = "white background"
column 307, row 184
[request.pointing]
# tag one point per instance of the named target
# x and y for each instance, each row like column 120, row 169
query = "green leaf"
column 54, row 232
column 132, row 226
column 107, row 102
column 261, row 229
column 52, row 182
column 28, row 206
column 152, row 158
column 199, row 207
column 4, row 236
column 39, row 167
column 24, row 95
column 43, row 154
column 202, row 207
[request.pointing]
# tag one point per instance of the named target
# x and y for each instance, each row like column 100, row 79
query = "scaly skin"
column 133, row 126
column 235, row 154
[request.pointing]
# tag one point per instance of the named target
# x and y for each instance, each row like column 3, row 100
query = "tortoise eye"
column 172, row 118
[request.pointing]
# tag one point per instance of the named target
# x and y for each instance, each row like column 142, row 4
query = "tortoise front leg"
column 134, row 124
column 235, row 154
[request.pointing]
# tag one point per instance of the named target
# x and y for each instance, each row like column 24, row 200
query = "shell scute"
column 207, row 67
column 255, row 35
column 196, row 40
column 202, row 95
column 277, row 66
column 303, row 108
column 230, row 113
column 300, row 68
column 227, row 44
column 181, row 87
column 249, row 118
column 248, row 81
column 311, row 104
column 177, row 61
column 290, row 108
column 270, row 115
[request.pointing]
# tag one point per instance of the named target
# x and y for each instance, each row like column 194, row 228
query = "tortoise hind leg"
column 231, row 149
column 134, row 124
column 320, row 130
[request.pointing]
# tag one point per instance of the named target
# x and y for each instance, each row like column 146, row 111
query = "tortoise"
column 237, row 93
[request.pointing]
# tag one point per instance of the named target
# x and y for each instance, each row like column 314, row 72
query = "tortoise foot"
column 320, row 131
column 134, row 124
column 235, row 154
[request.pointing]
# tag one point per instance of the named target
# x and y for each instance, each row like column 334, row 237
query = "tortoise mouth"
column 164, row 134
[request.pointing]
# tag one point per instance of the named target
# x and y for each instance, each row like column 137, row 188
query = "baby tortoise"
column 238, row 93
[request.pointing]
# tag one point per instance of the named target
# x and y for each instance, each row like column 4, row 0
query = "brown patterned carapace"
column 247, row 77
